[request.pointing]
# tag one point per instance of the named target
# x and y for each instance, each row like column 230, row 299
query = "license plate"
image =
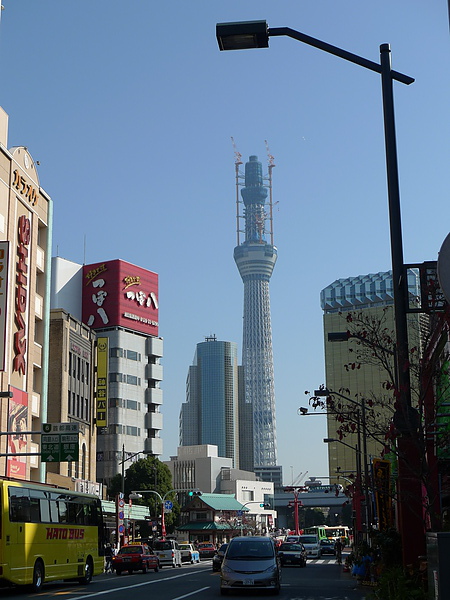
column 248, row 582
column 161, row 556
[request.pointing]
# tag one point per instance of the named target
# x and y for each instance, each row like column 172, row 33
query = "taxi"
column 135, row 557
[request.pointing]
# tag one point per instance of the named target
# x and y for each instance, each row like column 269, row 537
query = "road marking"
column 192, row 593
column 129, row 587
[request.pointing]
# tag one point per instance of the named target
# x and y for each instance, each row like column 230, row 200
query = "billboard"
column 18, row 437
column 117, row 293
column 101, row 406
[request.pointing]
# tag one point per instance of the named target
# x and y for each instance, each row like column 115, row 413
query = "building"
column 210, row 413
column 200, row 468
column 119, row 302
column 71, row 387
column 255, row 258
column 371, row 295
column 25, row 251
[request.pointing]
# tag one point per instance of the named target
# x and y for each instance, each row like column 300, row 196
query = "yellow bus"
column 48, row 533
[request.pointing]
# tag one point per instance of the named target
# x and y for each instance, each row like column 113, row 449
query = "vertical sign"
column 17, row 439
column 102, row 382
column 4, row 262
column 382, row 484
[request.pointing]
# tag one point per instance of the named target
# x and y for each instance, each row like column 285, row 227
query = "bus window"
column 19, row 505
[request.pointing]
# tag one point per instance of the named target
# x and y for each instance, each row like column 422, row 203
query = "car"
column 206, row 550
column 168, row 552
column 218, row 557
column 250, row 563
column 311, row 543
column 135, row 557
column 327, row 547
column 291, row 553
column 188, row 553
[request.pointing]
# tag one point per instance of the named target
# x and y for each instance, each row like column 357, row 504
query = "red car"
column 206, row 550
column 135, row 557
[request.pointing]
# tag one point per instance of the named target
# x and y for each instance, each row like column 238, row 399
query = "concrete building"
column 210, row 413
column 25, row 251
column 119, row 302
column 71, row 388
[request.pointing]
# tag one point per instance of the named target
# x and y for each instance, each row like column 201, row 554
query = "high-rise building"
column 255, row 258
column 372, row 295
column 210, row 413
column 119, row 301
column 25, row 252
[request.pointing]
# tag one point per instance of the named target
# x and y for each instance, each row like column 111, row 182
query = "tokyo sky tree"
column 255, row 258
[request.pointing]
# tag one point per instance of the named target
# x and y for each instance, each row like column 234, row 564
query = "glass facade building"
column 210, row 413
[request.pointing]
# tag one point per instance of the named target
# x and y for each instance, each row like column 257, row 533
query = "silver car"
column 250, row 563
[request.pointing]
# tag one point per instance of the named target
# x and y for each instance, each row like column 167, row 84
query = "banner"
column 101, row 411
column 382, row 488
column 17, row 441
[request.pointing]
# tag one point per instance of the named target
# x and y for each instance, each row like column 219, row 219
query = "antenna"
column 237, row 163
column 271, row 162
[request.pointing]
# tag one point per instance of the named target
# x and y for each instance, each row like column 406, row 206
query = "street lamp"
column 126, row 459
column 356, row 496
column 137, row 495
column 255, row 34
column 361, row 424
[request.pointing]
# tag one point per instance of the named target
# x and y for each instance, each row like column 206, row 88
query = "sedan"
column 292, row 554
column 135, row 557
column 206, row 550
column 327, row 547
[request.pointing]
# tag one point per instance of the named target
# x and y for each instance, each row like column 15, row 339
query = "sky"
column 130, row 108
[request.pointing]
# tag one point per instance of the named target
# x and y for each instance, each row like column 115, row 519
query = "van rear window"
column 162, row 546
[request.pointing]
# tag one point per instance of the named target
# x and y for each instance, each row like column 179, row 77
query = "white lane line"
column 192, row 593
column 130, row 587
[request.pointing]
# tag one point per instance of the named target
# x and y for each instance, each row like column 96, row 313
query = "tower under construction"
column 255, row 258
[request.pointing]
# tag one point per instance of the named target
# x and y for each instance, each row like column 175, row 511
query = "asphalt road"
column 321, row 580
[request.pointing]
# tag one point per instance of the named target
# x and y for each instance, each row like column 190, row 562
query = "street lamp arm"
column 349, row 56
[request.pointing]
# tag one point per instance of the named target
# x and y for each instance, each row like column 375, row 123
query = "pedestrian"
column 109, row 553
column 338, row 546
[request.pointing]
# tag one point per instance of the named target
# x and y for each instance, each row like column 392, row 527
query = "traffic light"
column 195, row 493
column 265, row 505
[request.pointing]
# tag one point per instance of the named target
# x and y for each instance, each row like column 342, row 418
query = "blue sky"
column 130, row 108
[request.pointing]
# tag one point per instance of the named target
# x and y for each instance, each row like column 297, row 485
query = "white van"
column 168, row 552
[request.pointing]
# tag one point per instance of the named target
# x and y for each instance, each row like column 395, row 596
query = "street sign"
column 239, row 513
column 168, row 505
column 59, row 442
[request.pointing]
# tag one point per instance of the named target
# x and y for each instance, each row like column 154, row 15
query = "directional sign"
column 59, row 442
column 168, row 505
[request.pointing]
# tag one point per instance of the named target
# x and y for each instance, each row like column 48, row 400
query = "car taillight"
column 173, row 553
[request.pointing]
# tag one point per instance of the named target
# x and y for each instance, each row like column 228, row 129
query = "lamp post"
column 361, row 424
column 261, row 504
column 126, row 459
column 357, row 488
column 255, row 34
column 137, row 495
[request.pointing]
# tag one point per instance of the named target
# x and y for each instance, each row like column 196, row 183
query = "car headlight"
column 226, row 569
column 271, row 569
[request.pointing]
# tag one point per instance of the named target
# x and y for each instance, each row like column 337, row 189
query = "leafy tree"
column 144, row 475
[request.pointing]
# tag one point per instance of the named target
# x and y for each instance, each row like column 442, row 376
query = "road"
column 322, row 579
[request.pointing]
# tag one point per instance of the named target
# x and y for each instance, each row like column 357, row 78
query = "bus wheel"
column 88, row 572
column 38, row 575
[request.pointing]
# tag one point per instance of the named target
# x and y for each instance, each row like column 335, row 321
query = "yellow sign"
column 102, row 382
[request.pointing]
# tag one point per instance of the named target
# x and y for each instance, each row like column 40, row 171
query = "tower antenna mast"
column 271, row 162
column 237, row 164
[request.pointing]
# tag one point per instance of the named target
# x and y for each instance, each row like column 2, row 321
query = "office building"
column 119, row 302
column 373, row 296
column 25, row 251
column 210, row 413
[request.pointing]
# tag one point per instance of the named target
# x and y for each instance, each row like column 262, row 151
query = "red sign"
column 20, row 337
column 117, row 293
